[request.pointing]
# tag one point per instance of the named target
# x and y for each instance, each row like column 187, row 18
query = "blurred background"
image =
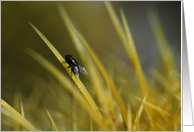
column 19, row 72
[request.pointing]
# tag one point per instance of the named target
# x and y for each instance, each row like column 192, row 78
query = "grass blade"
column 134, row 57
column 64, row 81
column 158, row 125
column 52, row 48
column 77, row 81
column 162, row 111
column 129, row 125
column 13, row 114
column 136, row 122
column 167, row 59
column 21, row 111
column 91, row 126
column 128, row 45
column 149, row 116
column 75, row 115
column 52, row 121
column 94, row 75
column 21, row 107
column 172, row 122
column 105, row 75
column 117, row 24
column 100, row 66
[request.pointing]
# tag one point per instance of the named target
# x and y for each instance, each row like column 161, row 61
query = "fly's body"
column 75, row 66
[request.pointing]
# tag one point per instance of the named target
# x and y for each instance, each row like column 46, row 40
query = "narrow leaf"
column 9, row 111
column 136, row 122
column 52, row 121
column 65, row 82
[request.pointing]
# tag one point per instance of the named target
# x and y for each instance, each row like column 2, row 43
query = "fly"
column 75, row 66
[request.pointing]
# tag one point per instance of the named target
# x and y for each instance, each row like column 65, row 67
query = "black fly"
column 75, row 66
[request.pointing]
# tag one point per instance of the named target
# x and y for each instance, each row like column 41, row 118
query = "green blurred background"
column 20, row 72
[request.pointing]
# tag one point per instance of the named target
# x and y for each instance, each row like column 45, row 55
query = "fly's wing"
column 82, row 69
column 76, row 71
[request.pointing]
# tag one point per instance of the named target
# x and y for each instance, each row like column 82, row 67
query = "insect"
column 75, row 66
